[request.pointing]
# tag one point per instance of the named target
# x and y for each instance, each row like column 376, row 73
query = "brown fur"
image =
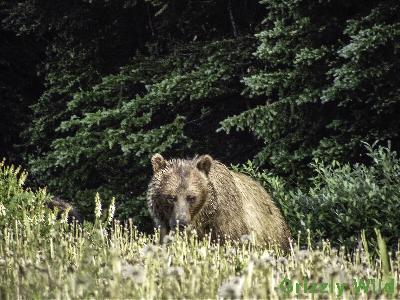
column 61, row 206
column 205, row 195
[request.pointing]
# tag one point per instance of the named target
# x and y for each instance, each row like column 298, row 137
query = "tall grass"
column 45, row 257
column 71, row 261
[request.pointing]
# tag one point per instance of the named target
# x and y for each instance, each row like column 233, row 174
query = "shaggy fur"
column 209, row 197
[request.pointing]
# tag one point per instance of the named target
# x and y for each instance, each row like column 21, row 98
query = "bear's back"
column 261, row 214
column 243, row 206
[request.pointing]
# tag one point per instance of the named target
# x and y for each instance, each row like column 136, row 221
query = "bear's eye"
column 171, row 199
column 190, row 199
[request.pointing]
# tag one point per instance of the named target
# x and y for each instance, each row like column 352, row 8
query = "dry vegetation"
column 42, row 257
column 71, row 262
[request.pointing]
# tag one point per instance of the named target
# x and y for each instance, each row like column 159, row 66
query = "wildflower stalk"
column 383, row 254
column 97, row 210
column 111, row 211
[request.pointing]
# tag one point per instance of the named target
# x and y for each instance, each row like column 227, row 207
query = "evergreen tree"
column 329, row 73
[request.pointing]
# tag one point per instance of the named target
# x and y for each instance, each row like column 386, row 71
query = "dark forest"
column 302, row 95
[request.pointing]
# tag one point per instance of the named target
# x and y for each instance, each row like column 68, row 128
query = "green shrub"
column 343, row 199
column 15, row 202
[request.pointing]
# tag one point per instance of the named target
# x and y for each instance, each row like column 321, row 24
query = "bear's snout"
column 180, row 222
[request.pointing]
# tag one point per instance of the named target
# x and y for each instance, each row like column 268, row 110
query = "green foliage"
column 120, row 80
column 152, row 105
column 125, row 79
column 329, row 75
column 343, row 200
column 18, row 204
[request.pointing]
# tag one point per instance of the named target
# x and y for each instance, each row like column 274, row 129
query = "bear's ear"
column 204, row 163
column 158, row 162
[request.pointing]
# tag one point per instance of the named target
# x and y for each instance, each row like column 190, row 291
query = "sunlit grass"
column 45, row 257
column 68, row 261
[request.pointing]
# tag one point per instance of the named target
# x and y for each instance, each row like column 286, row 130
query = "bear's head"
column 178, row 190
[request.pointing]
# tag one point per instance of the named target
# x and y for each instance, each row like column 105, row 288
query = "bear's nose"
column 181, row 224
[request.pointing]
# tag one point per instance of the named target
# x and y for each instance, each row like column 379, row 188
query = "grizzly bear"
column 203, row 194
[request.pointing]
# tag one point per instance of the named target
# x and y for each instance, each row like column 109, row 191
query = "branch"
column 232, row 18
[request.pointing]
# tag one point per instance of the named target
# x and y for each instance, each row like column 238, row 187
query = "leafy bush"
column 17, row 204
column 343, row 199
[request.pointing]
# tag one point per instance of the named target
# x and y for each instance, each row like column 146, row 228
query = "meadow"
column 42, row 256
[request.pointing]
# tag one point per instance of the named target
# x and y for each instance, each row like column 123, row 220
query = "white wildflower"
column 231, row 289
column 175, row 272
column 2, row 210
column 135, row 272
column 111, row 211
column 97, row 210
column 168, row 239
column 246, row 238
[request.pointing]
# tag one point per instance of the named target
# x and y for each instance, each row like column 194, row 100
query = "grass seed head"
column 135, row 272
column 231, row 289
